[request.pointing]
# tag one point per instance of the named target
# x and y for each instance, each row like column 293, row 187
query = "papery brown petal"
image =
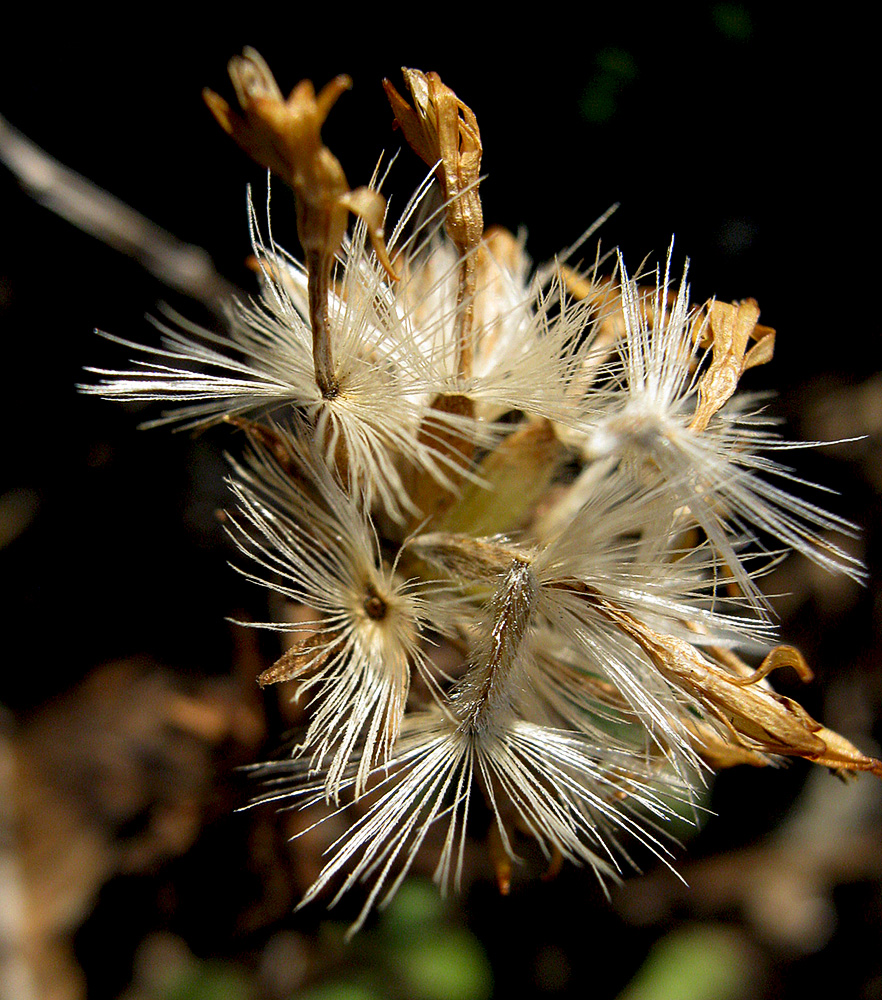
column 780, row 656
column 254, row 142
column 329, row 95
column 440, row 127
column 444, row 131
column 764, row 348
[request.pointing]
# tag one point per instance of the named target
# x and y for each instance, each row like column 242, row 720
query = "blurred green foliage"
column 415, row 952
column 615, row 68
column 705, row 962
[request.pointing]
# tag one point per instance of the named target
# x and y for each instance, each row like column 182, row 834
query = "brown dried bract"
column 308, row 653
column 756, row 718
column 728, row 329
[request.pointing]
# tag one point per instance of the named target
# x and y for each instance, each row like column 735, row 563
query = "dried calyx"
column 443, row 131
column 284, row 135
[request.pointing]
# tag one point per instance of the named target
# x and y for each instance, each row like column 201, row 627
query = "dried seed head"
column 585, row 670
column 315, row 546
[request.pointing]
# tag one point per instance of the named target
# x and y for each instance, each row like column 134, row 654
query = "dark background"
column 744, row 133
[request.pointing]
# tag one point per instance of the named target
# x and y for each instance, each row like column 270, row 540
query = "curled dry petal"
column 729, row 327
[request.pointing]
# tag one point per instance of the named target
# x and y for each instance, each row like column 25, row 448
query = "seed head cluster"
column 522, row 514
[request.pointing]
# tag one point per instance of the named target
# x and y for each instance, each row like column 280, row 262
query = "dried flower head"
column 316, row 547
column 670, row 414
column 522, row 517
